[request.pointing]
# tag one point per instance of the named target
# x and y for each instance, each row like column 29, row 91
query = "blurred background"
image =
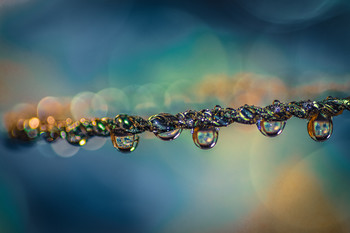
column 101, row 58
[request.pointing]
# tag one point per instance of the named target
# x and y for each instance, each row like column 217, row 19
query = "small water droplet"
column 271, row 128
column 125, row 143
column 205, row 138
column 170, row 135
column 76, row 134
column 31, row 132
column 76, row 140
column 246, row 114
column 49, row 134
column 276, row 102
column 320, row 127
column 100, row 127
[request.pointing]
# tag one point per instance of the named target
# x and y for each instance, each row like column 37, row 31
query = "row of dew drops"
column 319, row 128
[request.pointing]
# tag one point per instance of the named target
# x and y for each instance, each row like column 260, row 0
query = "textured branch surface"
column 168, row 127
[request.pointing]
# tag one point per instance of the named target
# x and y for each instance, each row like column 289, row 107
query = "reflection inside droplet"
column 320, row 127
column 125, row 143
column 271, row 128
column 170, row 135
column 205, row 138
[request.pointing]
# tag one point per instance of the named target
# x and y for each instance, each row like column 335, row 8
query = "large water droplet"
column 205, row 138
column 271, row 128
column 320, row 127
column 125, row 143
column 170, row 135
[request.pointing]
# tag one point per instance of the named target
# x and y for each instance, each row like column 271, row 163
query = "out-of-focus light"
column 20, row 124
column 51, row 106
column 89, row 105
column 82, row 142
column 50, row 120
column 95, row 143
column 288, row 12
column 148, row 99
column 116, row 100
column 69, row 121
column 63, row 149
column 178, row 96
column 34, row 123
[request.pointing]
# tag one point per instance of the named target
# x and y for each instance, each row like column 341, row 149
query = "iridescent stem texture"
column 204, row 124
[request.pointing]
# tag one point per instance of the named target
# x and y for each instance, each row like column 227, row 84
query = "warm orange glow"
column 225, row 90
column 50, row 120
column 20, row 124
column 34, row 123
column 69, row 121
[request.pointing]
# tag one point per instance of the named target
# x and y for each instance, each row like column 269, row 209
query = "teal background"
column 162, row 56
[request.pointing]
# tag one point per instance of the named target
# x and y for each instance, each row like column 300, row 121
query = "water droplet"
column 76, row 139
column 125, row 143
column 271, row 128
column 320, row 127
column 49, row 133
column 100, row 127
column 76, row 134
column 163, row 122
column 276, row 102
column 246, row 114
column 221, row 117
column 130, row 124
column 31, row 132
column 170, row 135
column 205, row 138
column 187, row 118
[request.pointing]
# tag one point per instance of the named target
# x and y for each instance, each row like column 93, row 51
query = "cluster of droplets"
column 124, row 130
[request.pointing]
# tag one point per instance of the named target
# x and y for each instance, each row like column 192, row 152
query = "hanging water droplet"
column 170, row 135
column 205, row 138
column 125, row 143
column 271, row 128
column 320, row 127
